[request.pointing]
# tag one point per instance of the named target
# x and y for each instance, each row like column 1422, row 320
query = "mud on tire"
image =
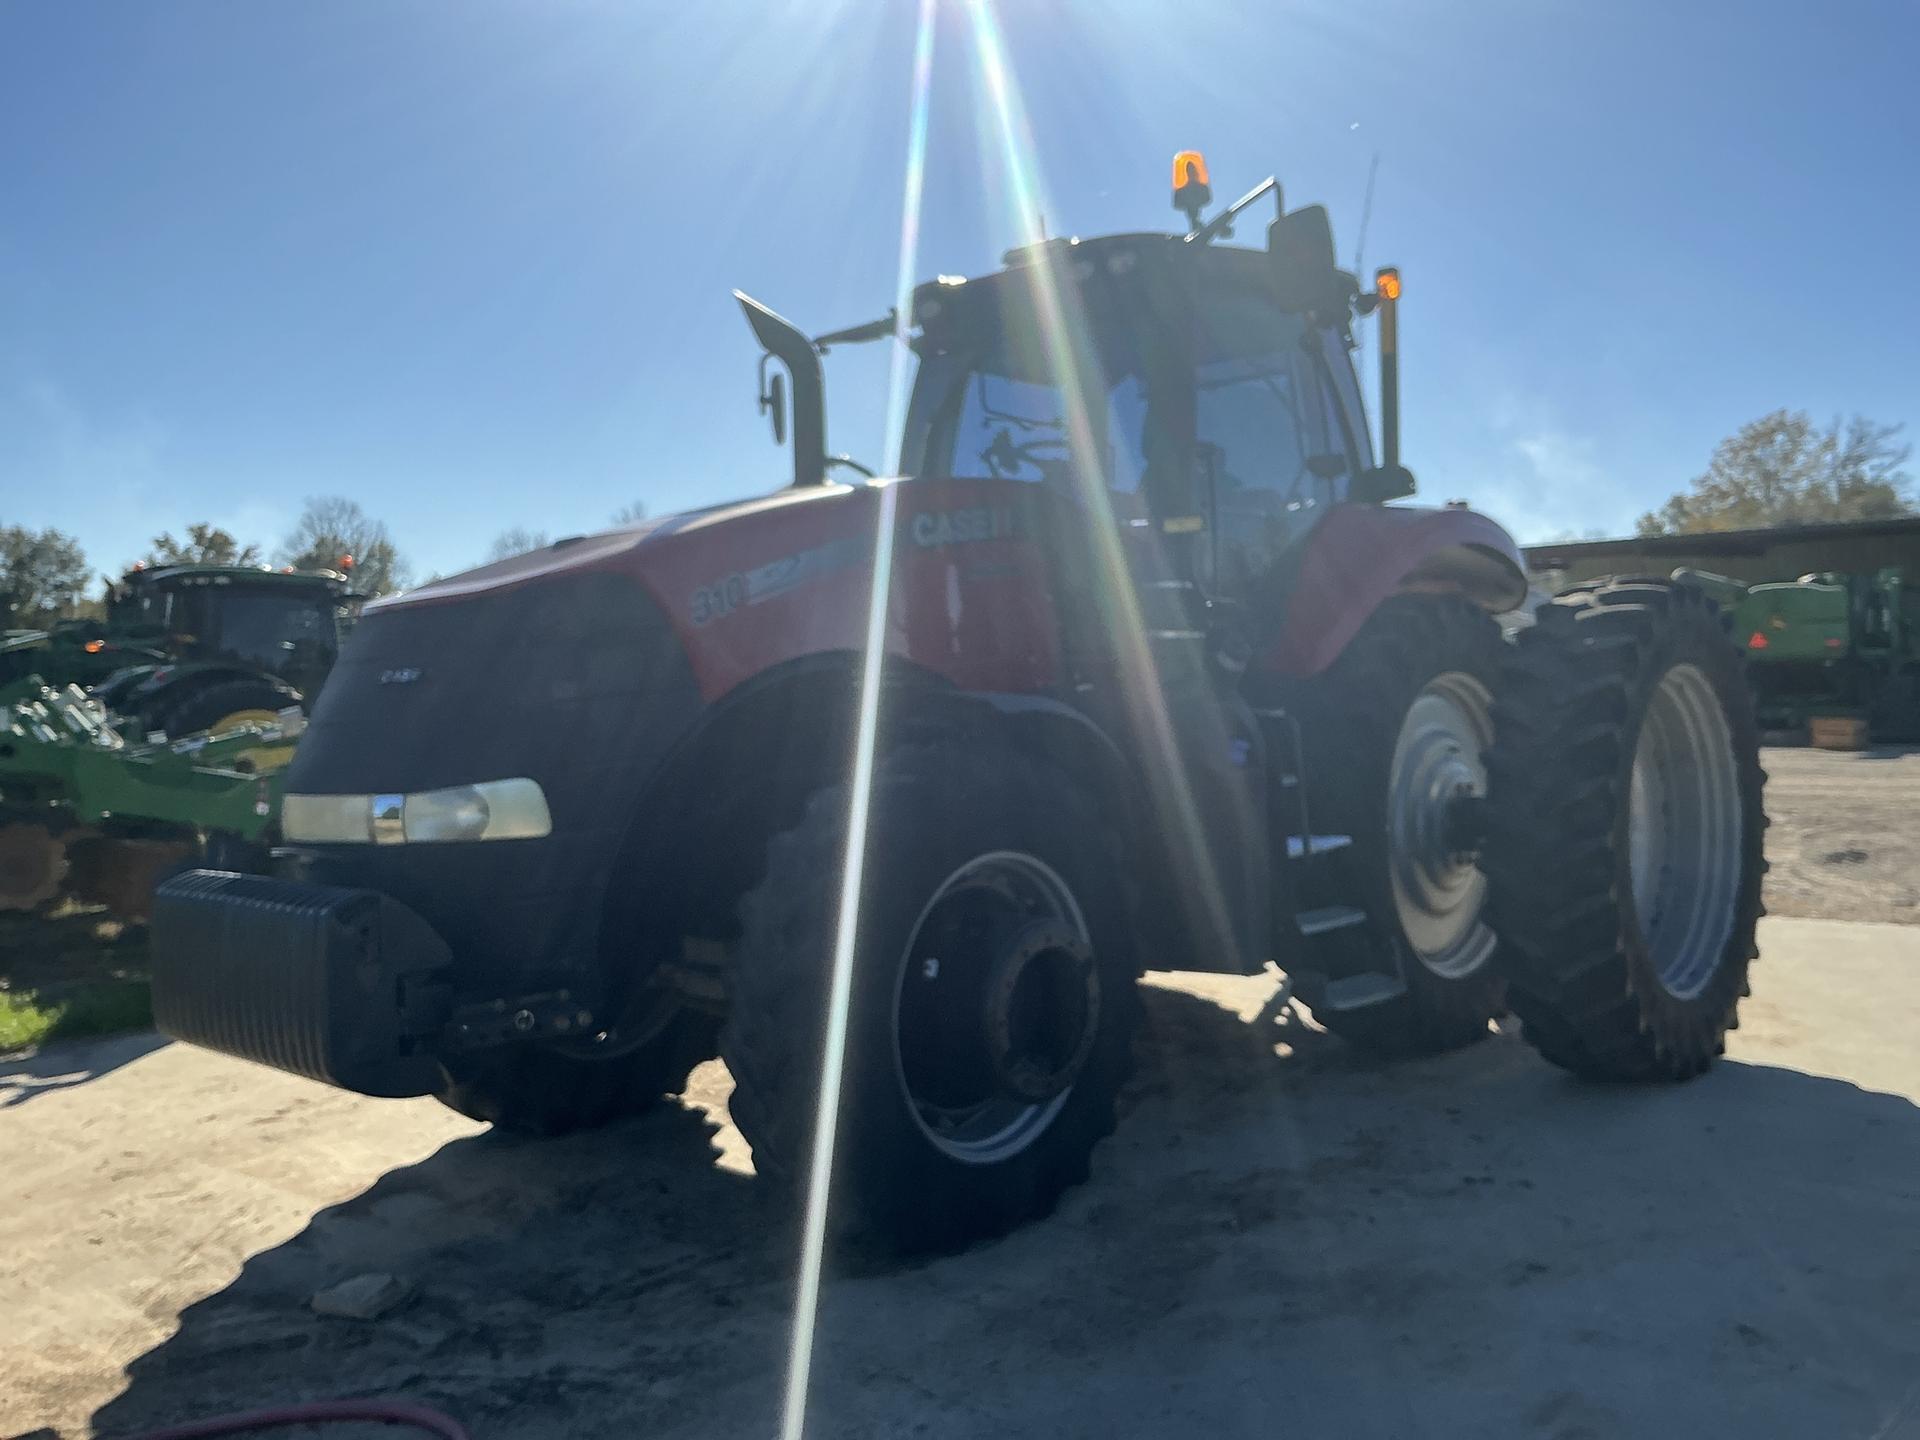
column 1626, row 830
column 902, row 1179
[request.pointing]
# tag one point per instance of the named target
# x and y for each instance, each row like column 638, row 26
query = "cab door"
column 1265, row 434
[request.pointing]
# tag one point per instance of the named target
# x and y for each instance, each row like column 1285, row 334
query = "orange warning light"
column 1189, row 168
column 94, row 647
column 1387, row 282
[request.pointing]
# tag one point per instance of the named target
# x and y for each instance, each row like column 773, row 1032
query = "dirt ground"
column 1283, row 1237
column 1845, row 840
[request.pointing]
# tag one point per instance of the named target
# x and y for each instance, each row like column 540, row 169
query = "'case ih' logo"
column 961, row 527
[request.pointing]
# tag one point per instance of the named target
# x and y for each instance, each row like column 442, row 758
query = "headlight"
column 491, row 810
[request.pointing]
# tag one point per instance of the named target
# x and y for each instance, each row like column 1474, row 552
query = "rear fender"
column 1362, row 554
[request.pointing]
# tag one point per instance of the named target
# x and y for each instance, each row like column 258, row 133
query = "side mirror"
column 773, row 401
column 1305, row 274
column 1326, row 467
column 1381, row 483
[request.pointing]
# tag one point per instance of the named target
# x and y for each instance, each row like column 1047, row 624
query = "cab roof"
column 330, row 580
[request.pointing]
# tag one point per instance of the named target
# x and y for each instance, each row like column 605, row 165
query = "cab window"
column 1259, row 416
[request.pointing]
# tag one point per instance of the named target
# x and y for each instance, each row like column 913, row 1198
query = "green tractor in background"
column 186, row 648
column 1828, row 644
column 156, row 737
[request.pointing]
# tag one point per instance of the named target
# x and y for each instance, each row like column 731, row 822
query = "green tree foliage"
column 333, row 527
column 204, row 545
column 1783, row 470
column 42, row 576
column 516, row 541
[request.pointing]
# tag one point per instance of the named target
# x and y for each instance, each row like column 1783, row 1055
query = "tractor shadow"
column 65, row 1064
column 1280, row 1227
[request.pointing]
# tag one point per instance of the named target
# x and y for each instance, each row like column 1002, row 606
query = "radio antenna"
column 1366, row 215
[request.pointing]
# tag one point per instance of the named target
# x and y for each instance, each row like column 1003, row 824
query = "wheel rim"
column 981, row 910
column 237, row 718
column 1684, row 831
column 1438, row 890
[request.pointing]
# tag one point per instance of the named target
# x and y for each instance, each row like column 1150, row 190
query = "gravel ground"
column 1845, row 841
column 1283, row 1237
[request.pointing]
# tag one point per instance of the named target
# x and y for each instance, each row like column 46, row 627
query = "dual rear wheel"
column 1569, row 825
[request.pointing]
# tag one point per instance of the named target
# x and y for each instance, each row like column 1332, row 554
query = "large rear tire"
column 1626, row 830
column 1394, row 734
column 992, row 1001
column 225, row 706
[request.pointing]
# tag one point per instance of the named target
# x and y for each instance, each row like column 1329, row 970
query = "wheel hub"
column 1435, row 803
column 998, row 1007
column 1684, row 831
column 1042, row 998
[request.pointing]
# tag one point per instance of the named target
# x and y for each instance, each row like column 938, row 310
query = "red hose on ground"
column 319, row 1412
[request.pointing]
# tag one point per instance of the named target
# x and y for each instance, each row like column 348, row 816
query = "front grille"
column 577, row 682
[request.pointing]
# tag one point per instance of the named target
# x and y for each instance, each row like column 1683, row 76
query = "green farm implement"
column 87, row 813
column 1828, row 644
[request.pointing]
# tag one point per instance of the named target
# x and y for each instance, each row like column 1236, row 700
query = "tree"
column 42, row 575
column 1781, row 470
column 631, row 514
column 516, row 541
column 333, row 527
column 204, row 545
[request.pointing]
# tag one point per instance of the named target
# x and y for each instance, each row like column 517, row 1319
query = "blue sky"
column 470, row 264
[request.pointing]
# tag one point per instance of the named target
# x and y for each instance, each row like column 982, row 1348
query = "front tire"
column 536, row 1090
column 1626, row 831
column 992, row 1002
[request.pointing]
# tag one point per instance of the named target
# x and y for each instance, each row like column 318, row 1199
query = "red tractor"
column 1159, row 682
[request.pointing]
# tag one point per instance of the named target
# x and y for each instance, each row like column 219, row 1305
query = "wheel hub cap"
column 1433, row 796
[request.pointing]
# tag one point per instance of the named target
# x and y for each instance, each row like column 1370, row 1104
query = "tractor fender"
column 1362, row 554
column 744, row 770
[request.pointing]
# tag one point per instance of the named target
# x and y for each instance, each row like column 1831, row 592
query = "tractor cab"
column 1199, row 396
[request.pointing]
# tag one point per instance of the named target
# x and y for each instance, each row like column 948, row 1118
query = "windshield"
column 267, row 630
column 998, row 409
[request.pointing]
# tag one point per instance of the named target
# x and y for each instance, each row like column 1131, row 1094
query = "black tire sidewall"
column 933, row 812
column 1692, row 637
column 1356, row 718
column 206, row 705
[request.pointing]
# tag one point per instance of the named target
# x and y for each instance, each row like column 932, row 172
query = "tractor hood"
column 627, row 548
column 755, row 584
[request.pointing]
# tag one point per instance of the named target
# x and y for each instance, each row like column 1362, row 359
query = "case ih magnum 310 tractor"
column 1166, row 686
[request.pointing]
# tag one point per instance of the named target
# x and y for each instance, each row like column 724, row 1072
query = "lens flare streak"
column 833, row 1056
